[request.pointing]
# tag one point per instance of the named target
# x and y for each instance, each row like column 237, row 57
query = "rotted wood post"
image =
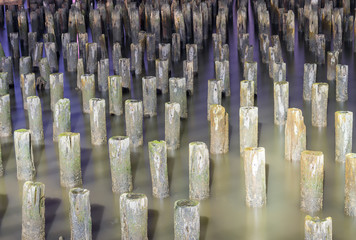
column 51, row 53
column 158, row 164
column 69, row 159
column 142, row 41
column 255, row 176
column 188, row 73
column 177, row 93
column 97, row 121
column 115, row 95
column 151, row 46
column 72, row 56
column 332, row 61
column 342, row 78
column 136, row 58
column 103, row 74
column 124, row 72
column 343, row 134
column 116, row 55
column 281, row 102
column 221, row 22
column 80, row 72
column 45, row 71
column 37, row 54
column 61, row 118
column 88, row 90
column 350, row 184
column 250, row 73
column 222, row 71
column 295, row 135
column 56, row 88
column 320, row 48
column 120, row 164
column 28, row 87
column 192, row 55
column 134, row 23
column 80, row 217
column 176, row 47
column 219, row 130
column 198, row 171
column 320, row 104
column 116, row 23
column 133, row 213
column 4, row 85
column 33, row 211
column 290, row 31
column 35, row 119
column 5, row 116
column 134, row 121
column 172, row 125
column 248, row 128
column 6, row 64
column 312, row 177
column 309, row 79
column 24, row 155
column 214, row 94
column 91, row 50
column 149, row 96
column 316, row 228
column 247, row 93
column 186, row 219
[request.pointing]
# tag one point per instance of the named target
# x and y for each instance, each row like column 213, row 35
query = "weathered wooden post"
column 158, row 165
column 247, row 96
column 115, row 95
column 308, row 80
column 186, row 219
column 192, row 55
column 177, row 93
column 149, row 96
column 5, row 116
column 80, row 72
column 264, row 45
column 28, row 87
column 219, row 130
column 120, row 165
column 250, row 73
column 172, row 125
column 320, row 104
column 332, row 61
column 279, row 71
column 290, row 31
column 255, row 176
column 281, row 102
column 33, row 211
column 6, row 64
column 51, row 54
column 316, row 228
column 124, row 72
column 24, row 156
column 198, row 171
column 151, row 46
column 4, row 84
column 198, row 26
column 56, row 88
column 216, row 38
column 45, row 71
column 97, row 121
column 320, row 48
column 103, row 74
column 162, row 75
column 91, row 50
column 61, row 118
column 312, row 177
column 350, row 184
column 72, row 56
column 80, row 217
column 214, row 94
column 65, row 39
column 222, row 72
column 342, row 78
column 188, row 73
column 156, row 25
column 35, row 119
column 295, row 135
column 134, row 121
column 343, row 134
column 69, row 159
column 88, row 90
column 176, row 47
column 164, row 53
column 133, row 216
column 136, row 58
column 14, row 44
column 248, row 128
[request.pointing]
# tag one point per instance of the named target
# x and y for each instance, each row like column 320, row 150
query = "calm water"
column 224, row 215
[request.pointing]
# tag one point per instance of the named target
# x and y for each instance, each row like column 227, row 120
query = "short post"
column 320, row 104
column 222, row 71
column 158, row 164
column 162, row 75
column 219, row 130
column 80, row 217
column 295, row 135
column 115, row 95
column 7, row 67
column 35, row 119
column 5, row 116
column 149, row 96
column 88, row 90
column 312, row 177
column 24, row 156
column 281, row 102
column 33, row 211
column 103, row 74
column 214, row 94
column 172, row 125
column 177, row 93
column 350, row 185
column 255, row 176
column 124, row 72
column 332, row 61
column 198, row 171
column 186, row 219
column 97, row 121
column 72, row 56
column 133, row 213
column 69, row 159
column 316, row 228
column 343, row 134
column 264, row 45
column 120, row 164
column 342, row 78
column 309, row 79
column 56, row 88
column 248, row 128
column 247, row 93
column 61, row 118
column 164, row 53
column 134, row 121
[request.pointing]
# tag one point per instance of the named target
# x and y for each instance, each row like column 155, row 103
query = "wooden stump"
column 316, row 228
column 281, row 102
column 320, row 104
column 35, row 119
column 186, row 220
column 172, row 125
column 219, row 130
column 134, row 121
column 97, row 121
column 24, row 155
column 248, row 128
column 343, row 134
column 61, row 118
column 295, row 135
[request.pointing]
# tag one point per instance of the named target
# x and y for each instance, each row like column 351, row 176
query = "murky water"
column 224, row 215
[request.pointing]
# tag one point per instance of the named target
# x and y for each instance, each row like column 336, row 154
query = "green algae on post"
column 178, row 94
column 350, row 185
column 214, row 94
column 56, row 88
column 88, row 90
column 103, row 74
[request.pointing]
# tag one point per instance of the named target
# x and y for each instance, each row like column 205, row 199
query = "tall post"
column 61, row 118
column 219, row 130
column 222, row 72
column 24, row 155
column 134, row 121
column 308, row 80
column 115, row 95
column 198, row 171
column 149, row 96
column 177, row 93
column 162, row 75
column 80, row 72
column 343, row 134
column 332, row 61
column 35, row 119
column 5, row 116
column 186, row 219
column 248, row 128
column 316, row 228
column 88, row 90
column 214, row 94
column 72, row 56
column 4, row 84
column 247, row 93
column 28, row 87
column 172, row 125
column 250, row 73
column 295, row 135
column 97, row 121
column 158, row 164
column 56, row 88
column 320, row 104
column 281, row 102
column 51, row 54
column 124, row 72
column 45, row 71
column 350, row 185
column 103, row 74
column 188, row 73
column 342, row 78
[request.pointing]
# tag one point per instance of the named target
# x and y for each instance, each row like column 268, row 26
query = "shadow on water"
column 97, row 212
column 152, row 219
column 85, row 154
column 204, row 222
column 51, row 206
column 4, row 202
